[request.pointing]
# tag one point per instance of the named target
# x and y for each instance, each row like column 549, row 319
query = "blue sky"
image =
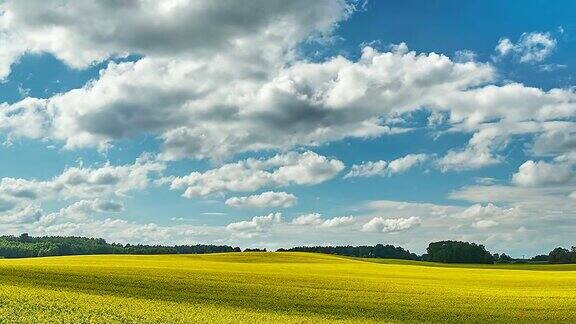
column 279, row 124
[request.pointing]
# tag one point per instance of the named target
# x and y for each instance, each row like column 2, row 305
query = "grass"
column 278, row 287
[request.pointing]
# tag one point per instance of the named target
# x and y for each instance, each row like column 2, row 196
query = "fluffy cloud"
column 308, row 219
column 304, row 103
column 338, row 221
column 478, row 211
column 467, row 159
column 255, row 226
column 26, row 120
column 556, row 138
column 123, row 231
column 530, row 48
column 80, row 211
column 383, row 168
column 509, row 194
column 540, row 173
column 82, row 182
column 82, row 33
column 248, row 43
column 315, row 219
column 485, row 223
column 305, row 168
column 220, row 114
column 265, row 199
column 386, row 225
column 27, row 214
column 476, row 155
column 91, row 190
column 244, row 89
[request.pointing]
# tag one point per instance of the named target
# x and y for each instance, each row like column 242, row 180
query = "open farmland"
column 282, row 287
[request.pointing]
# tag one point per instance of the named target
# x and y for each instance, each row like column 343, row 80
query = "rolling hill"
column 279, row 287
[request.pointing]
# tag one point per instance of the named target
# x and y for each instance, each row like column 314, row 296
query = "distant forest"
column 377, row 251
column 24, row 246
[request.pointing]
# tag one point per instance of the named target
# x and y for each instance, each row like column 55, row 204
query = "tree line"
column 443, row 251
column 377, row 251
column 24, row 246
column 562, row 255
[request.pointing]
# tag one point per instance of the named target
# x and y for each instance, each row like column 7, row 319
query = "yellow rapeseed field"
column 278, row 287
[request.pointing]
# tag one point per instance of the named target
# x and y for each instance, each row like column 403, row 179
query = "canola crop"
column 278, row 287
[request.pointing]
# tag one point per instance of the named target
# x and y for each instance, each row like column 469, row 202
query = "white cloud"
column 368, row 169
column 488, row 211
column 476, row 155
column 485, row 223
column 255, row 226
column 27, row 214
column 81, row 211
column 338, row 221
column 463, row 56
column 250, row 90
column 508, row 194
column 386, row 225
column 315, row 219
column 530, row 48
column 123, row 231
column 467, row 159
column 308, row 219
column 264, row 200
column 504, row 46
column 383, row 168
column 91, row 190
column 281, row 170
column 540, row 173
column 82, row 33
column 82, row 182
column 25, row 120
column 227, row 110
column 485, row 180
column 557, row 138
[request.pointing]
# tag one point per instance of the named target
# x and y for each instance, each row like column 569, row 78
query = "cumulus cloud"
column 123, row 231
column 540, row 173
column 90, row 189
column 27, row 214
column 249, row 90
column 82, row 33
column 383, row 168
column 281, row 170
column 479, row 211
column 467, row 159
column 387, row 225
column 308, row 219
column 556, row 138
column 464, row 56
column 257, row 225
column 478, row 153
column 315, row 219
column 82, row 210
column 485, row 223
column 263, row 200
column 338, row 221
column 531, row 47
column 84, row 182
column 302, row 103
